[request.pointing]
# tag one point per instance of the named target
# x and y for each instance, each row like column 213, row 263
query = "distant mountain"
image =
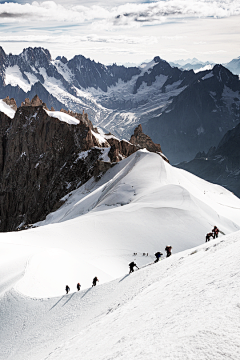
column 118, row 98
column 193, row 64
column 199, row 116
column 234, row 66
column 221, row 164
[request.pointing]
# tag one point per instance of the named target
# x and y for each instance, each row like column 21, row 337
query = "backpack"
column 131, row 264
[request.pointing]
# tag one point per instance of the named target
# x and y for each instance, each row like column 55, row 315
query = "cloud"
column 7, row 15
column 129, row 14
column 174, row 37
column 211, row 52
column 71, row 39
column 158, row 12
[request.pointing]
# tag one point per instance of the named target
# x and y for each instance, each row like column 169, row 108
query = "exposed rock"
column 40, row 163
column 42, row 159
column 100, row 168
column 34, row 102
column 11, row 102
column 122, row 149
column 144, row 141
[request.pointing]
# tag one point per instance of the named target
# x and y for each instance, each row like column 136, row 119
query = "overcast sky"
column 121, row 32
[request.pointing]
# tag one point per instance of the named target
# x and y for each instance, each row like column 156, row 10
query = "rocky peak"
column 11, row 102
column 142, row 140
column 121, row 149
column 157, row 59
column 37, row 56
column 34, row 102
column 224, row 75
column 62, row 59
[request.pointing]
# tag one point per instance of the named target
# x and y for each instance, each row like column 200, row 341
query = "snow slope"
column 140, row 205
column 184, row 307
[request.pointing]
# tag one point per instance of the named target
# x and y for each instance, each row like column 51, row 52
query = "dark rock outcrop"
column 11, row 102
column 144, row 141
column 42, row 159
column 121, row 149
column 40, row 162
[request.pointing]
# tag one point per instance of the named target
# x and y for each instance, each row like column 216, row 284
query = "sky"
column 121, row 32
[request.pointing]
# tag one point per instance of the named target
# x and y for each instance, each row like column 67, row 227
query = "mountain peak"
column 36, row 56
column 157, row 59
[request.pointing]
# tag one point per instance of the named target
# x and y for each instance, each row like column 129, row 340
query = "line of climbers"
column 94, row 283
column 213, row 234
column 168, row 249
column 158, row 255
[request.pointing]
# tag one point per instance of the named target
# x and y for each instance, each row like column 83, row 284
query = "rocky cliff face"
column 42, row 159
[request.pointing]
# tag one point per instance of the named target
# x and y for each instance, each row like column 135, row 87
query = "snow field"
column 139, row 206
column 184, row 307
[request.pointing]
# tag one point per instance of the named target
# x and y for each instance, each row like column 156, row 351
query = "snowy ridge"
column 63, row 117
column 152, row 199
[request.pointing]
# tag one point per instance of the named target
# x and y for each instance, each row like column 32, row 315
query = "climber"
column 168, row 250
column 78, row 286
column 208, row 236
column 67, row 288
column 158, row 256
column 131, row 266
column 94, row 283
column 215, row 232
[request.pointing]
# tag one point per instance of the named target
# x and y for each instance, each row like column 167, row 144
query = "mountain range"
column 87, row 204
column 197, row 65
column 118, row 98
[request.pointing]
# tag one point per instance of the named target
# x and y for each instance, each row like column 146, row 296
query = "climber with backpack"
column 131, row 266
column 215, row 232
column 67, row 288
column 78, row 286
column 158, row 256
